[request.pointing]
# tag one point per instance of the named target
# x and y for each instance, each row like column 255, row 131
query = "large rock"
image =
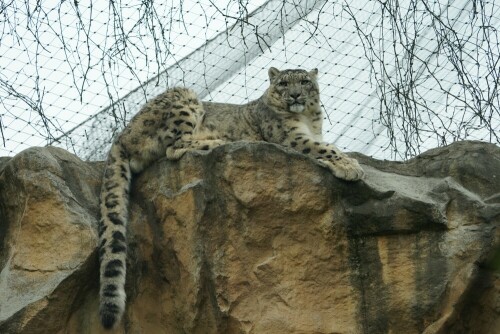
column 252, row 238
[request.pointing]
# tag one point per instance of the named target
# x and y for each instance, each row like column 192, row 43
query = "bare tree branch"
column 415, row 49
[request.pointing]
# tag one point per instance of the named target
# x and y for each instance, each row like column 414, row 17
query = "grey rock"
column 255, row 238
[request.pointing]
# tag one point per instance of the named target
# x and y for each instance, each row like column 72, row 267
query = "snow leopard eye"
column 305, row 82
column 282, row 83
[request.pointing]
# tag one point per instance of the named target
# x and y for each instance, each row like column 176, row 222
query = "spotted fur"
column 158, row 125
column 176, row 122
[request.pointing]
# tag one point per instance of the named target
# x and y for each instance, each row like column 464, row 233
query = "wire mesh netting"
column 396, row 77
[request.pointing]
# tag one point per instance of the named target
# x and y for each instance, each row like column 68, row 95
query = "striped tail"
column 112, row 235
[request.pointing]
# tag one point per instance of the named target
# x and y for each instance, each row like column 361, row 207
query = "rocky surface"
column 252, row 238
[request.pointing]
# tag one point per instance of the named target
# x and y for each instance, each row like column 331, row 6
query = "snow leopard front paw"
column 175, row 153
column 345, row 168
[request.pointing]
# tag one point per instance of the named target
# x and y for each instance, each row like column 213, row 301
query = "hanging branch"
column 402, row 73
column 414, row 47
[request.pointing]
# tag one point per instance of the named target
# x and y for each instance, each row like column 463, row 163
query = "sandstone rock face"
column 252, row 238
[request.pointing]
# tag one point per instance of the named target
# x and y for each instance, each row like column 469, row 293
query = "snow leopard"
column 289, row 113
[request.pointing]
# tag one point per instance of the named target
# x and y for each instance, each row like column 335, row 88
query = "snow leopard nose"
column 295, row 96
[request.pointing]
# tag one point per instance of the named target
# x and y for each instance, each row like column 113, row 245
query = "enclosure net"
column 396, row 77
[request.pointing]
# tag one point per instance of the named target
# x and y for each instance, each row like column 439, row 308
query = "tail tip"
column 111, row 309
column 110, row 315
column 108, row 320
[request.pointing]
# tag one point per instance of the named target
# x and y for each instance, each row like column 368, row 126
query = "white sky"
column 348, row 94
column 21, row 67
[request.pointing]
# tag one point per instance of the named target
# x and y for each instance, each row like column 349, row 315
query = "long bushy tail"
column 112, row 235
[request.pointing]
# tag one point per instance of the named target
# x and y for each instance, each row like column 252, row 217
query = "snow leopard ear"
column 273, row 72
column 313, row 73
